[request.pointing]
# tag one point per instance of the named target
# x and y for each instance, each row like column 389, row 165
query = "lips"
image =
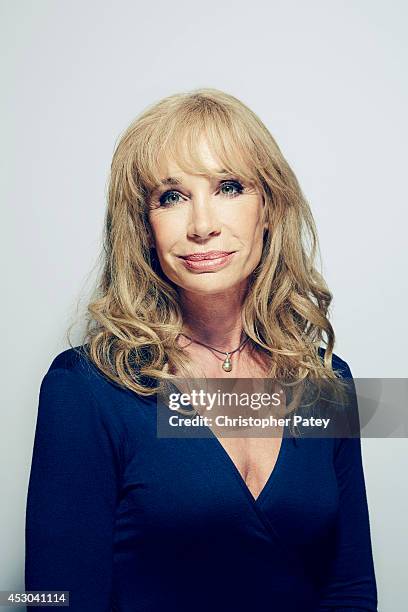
column 208, row 265
column 206, row 255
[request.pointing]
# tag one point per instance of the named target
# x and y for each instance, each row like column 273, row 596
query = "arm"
column 71, row 501
column 351, row 583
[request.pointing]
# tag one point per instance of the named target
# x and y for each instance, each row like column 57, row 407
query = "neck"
column 214, row 319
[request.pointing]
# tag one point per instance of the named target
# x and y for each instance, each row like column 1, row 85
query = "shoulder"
column 70, row 375
column 76, row 416
column 73, row 359
column 339, row 365
column 349, row 429
column 73, row 377
column 75, row 364
column 73, row 370
column 75, row 394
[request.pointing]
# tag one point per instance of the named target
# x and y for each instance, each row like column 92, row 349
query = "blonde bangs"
column 178, row 136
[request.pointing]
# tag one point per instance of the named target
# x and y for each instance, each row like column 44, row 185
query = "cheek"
column 254, row 242
column 168, row 229
column 163, row 236
column 251, row 232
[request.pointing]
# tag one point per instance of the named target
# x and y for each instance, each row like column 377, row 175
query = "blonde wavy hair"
column 134, row 318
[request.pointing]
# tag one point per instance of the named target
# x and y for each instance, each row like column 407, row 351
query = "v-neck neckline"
column 227, row 460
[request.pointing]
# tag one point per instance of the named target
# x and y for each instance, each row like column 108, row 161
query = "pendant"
column 227, row 365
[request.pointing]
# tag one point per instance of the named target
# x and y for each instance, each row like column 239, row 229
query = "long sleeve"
column 351, row 583
column 72, row 494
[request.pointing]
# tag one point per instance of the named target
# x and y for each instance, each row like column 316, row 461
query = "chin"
column 208, row 283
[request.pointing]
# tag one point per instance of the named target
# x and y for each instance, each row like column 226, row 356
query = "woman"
column 207, row 274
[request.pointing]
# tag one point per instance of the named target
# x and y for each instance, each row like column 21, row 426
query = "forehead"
column 171, row 165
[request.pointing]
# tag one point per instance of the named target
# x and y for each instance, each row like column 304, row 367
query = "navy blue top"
column 128, row 521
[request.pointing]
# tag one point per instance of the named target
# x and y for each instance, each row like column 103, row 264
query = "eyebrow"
column 170, row 180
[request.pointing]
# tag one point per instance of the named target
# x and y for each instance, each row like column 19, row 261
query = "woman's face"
column 199, row 214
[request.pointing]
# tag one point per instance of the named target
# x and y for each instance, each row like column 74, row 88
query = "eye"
column 163, row 198
column 234, row 185
column 170, row 198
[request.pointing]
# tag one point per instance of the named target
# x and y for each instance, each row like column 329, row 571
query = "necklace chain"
column 226, row 365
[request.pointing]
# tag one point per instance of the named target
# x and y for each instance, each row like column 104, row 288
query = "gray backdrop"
column 328, row 80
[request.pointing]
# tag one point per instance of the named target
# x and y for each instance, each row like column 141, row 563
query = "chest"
column 254, row 459
column 204, row 487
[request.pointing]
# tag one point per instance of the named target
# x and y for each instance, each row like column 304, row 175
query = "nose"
column 204, row 221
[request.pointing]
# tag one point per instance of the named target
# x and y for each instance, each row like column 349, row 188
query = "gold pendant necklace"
column 227, row 365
